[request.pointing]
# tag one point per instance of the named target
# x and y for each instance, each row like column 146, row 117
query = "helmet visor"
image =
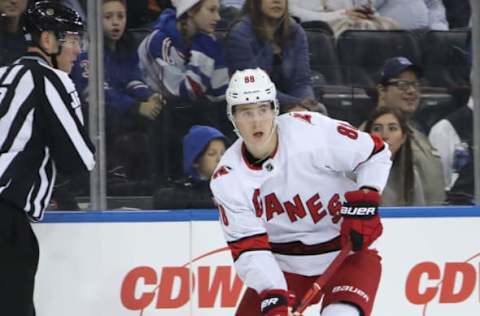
column 72, row 40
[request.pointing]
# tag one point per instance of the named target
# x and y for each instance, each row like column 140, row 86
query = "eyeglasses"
column 404, row 85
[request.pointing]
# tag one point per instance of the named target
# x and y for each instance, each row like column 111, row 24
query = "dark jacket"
column 245, row 50
column 12, row 45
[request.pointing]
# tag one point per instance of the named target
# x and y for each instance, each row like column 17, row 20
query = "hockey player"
column 280, row 189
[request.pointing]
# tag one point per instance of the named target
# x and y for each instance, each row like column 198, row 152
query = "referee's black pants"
column 18, row 262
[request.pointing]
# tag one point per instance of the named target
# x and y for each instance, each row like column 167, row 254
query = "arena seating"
column 362, row 53
column 323, row 56
column 343, row 71
column 444, row 58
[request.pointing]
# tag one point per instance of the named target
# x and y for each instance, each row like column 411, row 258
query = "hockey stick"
column 322, row 280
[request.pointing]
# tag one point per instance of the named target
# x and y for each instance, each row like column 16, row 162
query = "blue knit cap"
column 194, row 143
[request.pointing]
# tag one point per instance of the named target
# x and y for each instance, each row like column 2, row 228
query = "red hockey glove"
column 276, row 302
column 361, row 223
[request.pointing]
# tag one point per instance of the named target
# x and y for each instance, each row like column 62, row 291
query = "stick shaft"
column 323, row 279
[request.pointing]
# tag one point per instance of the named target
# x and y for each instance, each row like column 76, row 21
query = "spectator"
column 203, row 147
column 404, row 186
column 229, row 11
column 141, row 13
column 341, row 15
column 268, row 38
column 399, row 87
column 415, row 14
column 453, row 138
column 12, row 40
column 183, row 61
column 458, row 13
column 128, row 100
column 181, row 57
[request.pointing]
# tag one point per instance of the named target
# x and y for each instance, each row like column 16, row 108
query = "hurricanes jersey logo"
column 303, row 116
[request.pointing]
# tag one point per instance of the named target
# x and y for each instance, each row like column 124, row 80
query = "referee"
column 41, row 131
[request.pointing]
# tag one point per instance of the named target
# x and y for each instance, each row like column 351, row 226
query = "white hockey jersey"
column 284, row 215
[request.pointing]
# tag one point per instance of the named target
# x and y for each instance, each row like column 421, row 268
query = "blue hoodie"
column 195, row 143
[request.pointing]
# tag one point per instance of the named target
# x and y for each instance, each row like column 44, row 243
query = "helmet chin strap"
column 53, row 56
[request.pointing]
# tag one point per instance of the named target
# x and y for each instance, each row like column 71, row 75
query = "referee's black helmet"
column 53, row 16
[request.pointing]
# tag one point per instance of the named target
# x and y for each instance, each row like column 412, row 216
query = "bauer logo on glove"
column 358, row 211
column 361, row 224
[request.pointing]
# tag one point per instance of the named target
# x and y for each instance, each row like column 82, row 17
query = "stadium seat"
column 433, row 107
column 445, row 59
column 347, row 104
column 323, row 56
column 139, row 34
column 317, row 26
column 363, row 52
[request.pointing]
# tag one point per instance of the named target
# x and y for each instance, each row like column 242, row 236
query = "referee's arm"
column 71, row 148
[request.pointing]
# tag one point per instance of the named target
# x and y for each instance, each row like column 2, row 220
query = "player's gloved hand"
column 276, row 302
column 361, row 222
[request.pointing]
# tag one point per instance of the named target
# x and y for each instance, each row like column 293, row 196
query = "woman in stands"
column 404, row 186
column 267, row 37
column 129, row 102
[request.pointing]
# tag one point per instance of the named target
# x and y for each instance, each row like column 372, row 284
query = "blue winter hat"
column 195, row 142
column 394, row 66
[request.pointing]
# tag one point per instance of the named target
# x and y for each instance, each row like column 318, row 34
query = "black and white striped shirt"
column 41, row 130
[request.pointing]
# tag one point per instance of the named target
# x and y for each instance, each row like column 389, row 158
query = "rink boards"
column 139, row 263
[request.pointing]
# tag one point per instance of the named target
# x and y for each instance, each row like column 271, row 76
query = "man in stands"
column 399, row 87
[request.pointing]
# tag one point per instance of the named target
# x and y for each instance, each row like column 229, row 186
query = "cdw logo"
column 171, row 287
column 454, row 282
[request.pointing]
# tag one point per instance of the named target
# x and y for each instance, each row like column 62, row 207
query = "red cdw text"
column 172, row 287
column 453, row 282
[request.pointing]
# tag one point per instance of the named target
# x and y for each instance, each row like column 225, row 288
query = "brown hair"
column 404, row 154
column 253, row 9
column 183, row 20
column 124, row 2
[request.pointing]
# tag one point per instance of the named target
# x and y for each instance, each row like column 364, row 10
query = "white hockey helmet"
column 250, row 86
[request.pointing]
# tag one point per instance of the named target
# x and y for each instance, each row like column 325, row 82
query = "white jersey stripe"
column 12, row 74
column 5, row 186
column 18, row 145
column 47, row 197
column 69, row 125
column 23, row 90
column 28, row 204
column 43, row 188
